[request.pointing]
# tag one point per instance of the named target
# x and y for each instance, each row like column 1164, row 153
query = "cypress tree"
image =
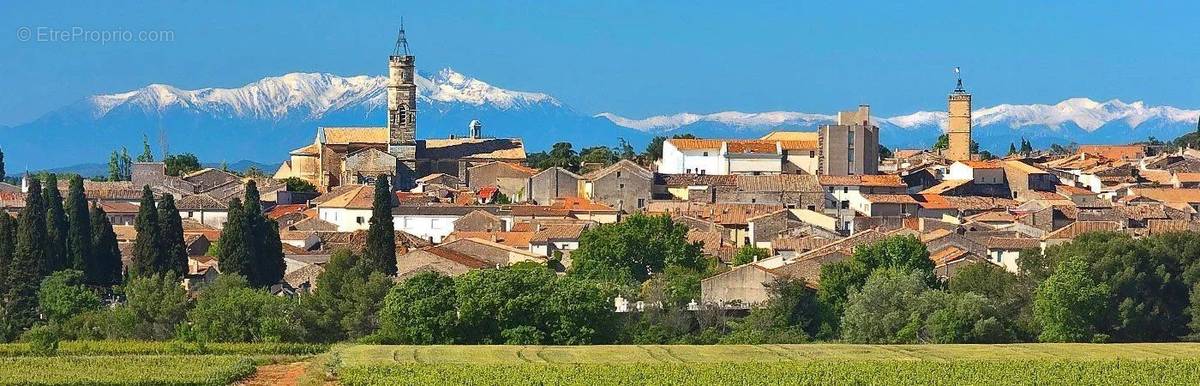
column 174, row 253
column 79, row 233
column 232, row 253
column 104, row 266
column 8, row 234
column 3, row 174
column 261, row 238
column 146, row 247
column 56, row 227
column 380, row 252
column 27, row 266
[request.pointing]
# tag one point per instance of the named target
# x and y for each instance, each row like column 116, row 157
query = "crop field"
column 125, row 370
column 1129, row 364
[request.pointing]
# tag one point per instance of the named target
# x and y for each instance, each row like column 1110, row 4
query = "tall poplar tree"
column 146, row 247
column 25, row 270
column 3, row 174
column 233, row 256
column 8, row 244
column 79, row 233
column 56, row 227
column 104, row 268
column 380, row 252
column 173, row 252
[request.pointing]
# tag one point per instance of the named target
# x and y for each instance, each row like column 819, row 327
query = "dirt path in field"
column 286, row 374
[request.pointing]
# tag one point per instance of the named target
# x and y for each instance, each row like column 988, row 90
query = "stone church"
column 356, row 155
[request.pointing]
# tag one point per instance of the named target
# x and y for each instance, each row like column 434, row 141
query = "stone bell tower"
column 402, row 111
column 959, row 133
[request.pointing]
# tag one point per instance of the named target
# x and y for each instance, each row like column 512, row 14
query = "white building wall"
column 215, row 219
column 755, row 166
column 347, row 220
column 959, row 171
column 432, row 228
column 675, row 161
column 1005, row 258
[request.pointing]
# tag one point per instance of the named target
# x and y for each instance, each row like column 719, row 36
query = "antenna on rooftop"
column 401, row 42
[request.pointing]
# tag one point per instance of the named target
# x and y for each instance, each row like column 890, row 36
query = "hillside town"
column 784, row 206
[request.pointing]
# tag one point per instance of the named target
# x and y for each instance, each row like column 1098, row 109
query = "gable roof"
column 884, row 180
column 348, row 135
column 620, row 165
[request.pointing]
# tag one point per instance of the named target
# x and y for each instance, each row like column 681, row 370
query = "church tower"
column 402, row 111
column 959, row 132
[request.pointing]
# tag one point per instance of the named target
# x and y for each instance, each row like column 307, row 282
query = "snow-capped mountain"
column 1079, row 120
column 263, row 120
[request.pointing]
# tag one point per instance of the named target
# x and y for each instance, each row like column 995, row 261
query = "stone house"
column 512, row 179
column 624, row 186
column 552, row 183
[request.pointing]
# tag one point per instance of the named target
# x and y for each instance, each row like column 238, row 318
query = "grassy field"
column 1128, row 364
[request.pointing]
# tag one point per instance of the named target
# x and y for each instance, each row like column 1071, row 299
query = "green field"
column 1175, row 363
column 125, row 370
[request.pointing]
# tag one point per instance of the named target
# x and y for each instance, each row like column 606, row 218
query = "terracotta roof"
column 777, row 183
column 310, row 150
column 988, row 164
column 278, row 211
column 799, row 244
column 1011, row 243
column 557, row 232
column 511, row 149
column 578, row 204
column 1187, row 177
column 347, row 135
column 890, row 198
column 695, row 179
column 1080, row 227
column 1067, row 190
column 888, row 180
column 457, row 257
column 113, row 207
column 1023, row 167
column 513, row 239
column 695, row 143
column 200, row 202
column 947, row 254
column 994, row 216
column 760, row 147
column 619, row 165
column 1173, row 195
column 125, row 232
column 1159, row 226
column 720, row 213
column 945, row 186
column 791, row 136
column 936, row 201
column 354, row 197
column 1115, row 151
column 799, row 145
column 314, row 224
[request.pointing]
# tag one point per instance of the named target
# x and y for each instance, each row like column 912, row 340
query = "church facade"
column 356, row 155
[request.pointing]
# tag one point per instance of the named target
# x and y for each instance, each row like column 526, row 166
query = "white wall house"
column 346, row 219
column 431, row 223
column 737, row 156
column 981, row 172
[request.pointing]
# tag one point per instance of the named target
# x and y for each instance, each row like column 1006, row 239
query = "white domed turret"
column 476, row 129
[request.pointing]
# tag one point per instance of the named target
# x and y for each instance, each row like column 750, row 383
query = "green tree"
column 262, row 238
column 1012, row 149
column 8, row 246
column 1069, row 303
column 507, row 305
column 630, row 251
column 578, row 312
column 126, row 165
column 56, row 227
column 884, row 152
column 346, row 301
column 601, row 155
column 749, row 253
column 563, row 156
column 181, row 164
column 950, row 317
column 1026, row 147
column 1011, row 296
column 792, row 314
column 155, row 306
column 79, row 233
column 147, row 155
column 104, row 268
column 421, row 310
column 295, row 184
column 624, row 149
column 253, row 172
column 114, row 167
column 25, row 270
column 380, row 251
column 173, row 252
column 883, row 309
column 234, row 248
column 62, row 295
column 229, row 310
column 147, row 246
column 654, row 150
column 942, row 143
column 905, row 253
column 3, row 175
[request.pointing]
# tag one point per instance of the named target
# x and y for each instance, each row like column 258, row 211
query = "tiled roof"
column 347, row 135
column 695, row 180
column 200, row 202
column 1174, row 195
column 887, row 180
column 947, row 255
column 511, row 149
column 1080, row 227
column 625, row 165
column 1115, row 151
column 994, row 216
column 695, row 143
column 777, row 183
column 578, row 204
column 278, row 211
column 457, row 257
column 890, row 198
column 310, row 150
column 988, row 164
column 519, row 169
column 936, row 201
column 112, row 207
column 720, row 213
column 557, row 232
column 352, row 197
column 1011, row 243
column 791, row 136
column 799, row 244
column 1023, row 167
column 314, row 224
column 1187, row 177
column 512, row 239
column 945, row 186
column 760, row 147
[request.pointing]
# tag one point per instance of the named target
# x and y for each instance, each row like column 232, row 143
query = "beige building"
column 850, row 147
column 959, row 131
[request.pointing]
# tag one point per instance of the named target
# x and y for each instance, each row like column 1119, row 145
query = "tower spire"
column 401, row 42
column 958, row 75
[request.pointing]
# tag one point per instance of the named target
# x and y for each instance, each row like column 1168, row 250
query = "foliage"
column 26, row 266
column 1069, row 303
column 181, row 164
column 8, row 240
column 654, row 150
column 884, row 309
column 295, row 184
column 229, row 310
column 527, row 304
column 884, row 152
column 749, row 253
column 56, row 227
column 120, row 165
column 792, row 314
column 173, row 257
column 346, row 301
column 233, row 251
column 1011, row 295
column 155, row 304
column 380, row 251
column 62, row 295
column 905, row 253
column 561, row 155
column 3, row 175
column 43, row 340
column 104, row 267
column 147, row 246
column 600, row 155
column 632, row 250
column 147, row 155
column 253, row 172
column 85, row 348
column 249, row 242
column 79, row 232
column 421, row 310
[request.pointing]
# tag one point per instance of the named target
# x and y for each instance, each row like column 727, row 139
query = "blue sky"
column 633, row 58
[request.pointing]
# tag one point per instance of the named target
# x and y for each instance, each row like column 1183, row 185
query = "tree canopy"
column 630, row 251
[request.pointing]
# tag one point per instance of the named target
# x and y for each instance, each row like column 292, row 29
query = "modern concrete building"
column 850, row 147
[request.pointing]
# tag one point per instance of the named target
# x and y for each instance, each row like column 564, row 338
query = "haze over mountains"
column 263, row 120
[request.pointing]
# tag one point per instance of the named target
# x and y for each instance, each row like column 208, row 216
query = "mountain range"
column 263, row 120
